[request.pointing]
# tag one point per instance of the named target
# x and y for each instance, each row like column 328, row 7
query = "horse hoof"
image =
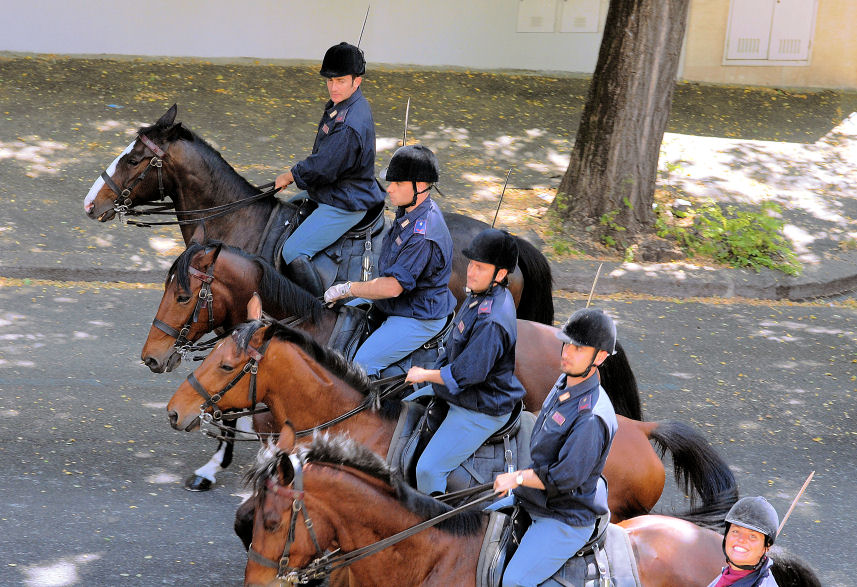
column 197, row 483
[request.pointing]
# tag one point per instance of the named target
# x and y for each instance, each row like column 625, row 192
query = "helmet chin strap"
column 585, row 372
column 416, row 194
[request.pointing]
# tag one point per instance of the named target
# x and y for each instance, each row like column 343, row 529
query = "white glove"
column 337, row 292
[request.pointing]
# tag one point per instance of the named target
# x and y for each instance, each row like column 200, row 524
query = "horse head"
column 129, row 179
column 194, row 303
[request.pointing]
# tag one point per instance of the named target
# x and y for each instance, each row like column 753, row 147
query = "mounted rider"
column 563, row 491
column 339, row 175
column 414, row 267
column 751, row 528
column 475, row 376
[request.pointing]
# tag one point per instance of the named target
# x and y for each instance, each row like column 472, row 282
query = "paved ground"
column 95, row 498
column 64, row 120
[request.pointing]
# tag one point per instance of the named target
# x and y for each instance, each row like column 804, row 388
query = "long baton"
column 594, row 281
column 505, row 183
column 794, row 503
column 405, row 131
column 365, row 18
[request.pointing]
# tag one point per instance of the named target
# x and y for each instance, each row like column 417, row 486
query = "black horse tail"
column 791, row 571
column 699, row 472
column 618, row 380
column 536, row 302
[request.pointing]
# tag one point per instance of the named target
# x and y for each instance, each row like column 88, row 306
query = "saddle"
column 508, row 449
column 607, row 559
column 355, row 323
column 351, row 258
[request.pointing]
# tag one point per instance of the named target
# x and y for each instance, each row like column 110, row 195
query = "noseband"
column 285, row 573
column 204, row 301
column 122, row 204
column 251, row 367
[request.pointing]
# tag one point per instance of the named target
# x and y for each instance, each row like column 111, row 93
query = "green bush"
column 738, row 238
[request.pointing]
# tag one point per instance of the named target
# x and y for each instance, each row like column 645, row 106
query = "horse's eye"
column 227, row 368
column 133, row 162
column 184, row 299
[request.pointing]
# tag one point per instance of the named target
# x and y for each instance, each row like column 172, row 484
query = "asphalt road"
column 93, row 485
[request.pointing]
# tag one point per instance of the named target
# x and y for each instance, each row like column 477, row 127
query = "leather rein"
column 326, row 563
column 123, row 205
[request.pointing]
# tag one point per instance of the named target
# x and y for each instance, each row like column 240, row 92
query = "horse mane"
column 334, row 361
column 274, row 288
column 343, row 451
column 228, row 181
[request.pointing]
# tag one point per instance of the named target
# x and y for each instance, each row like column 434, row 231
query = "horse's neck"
column 210, row 181
column 313, row 397
column 366, row 512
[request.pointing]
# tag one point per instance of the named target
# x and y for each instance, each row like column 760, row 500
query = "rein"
column 325, row 564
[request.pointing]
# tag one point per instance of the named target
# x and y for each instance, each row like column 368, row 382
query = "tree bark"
column 610, row 180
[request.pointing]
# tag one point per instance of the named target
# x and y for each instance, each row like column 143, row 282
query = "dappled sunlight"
column 682, row 375
column 387, row 144
column 63, row 571
column 163, row 478
column 794, row 175
column 171, row 247
column 39, row 155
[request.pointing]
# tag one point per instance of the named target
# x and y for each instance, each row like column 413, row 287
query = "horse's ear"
column 169, row 117
column 254, row 307
column 198, row 235
column 286, row 442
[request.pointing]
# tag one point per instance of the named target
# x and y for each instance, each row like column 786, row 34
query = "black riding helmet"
column 412, row 163
column 590, row 327
column 756, row 514
column 495, row 247
column 343, row 59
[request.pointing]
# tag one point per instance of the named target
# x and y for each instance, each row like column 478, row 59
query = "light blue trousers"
column 395, row 339
column 546, row 545
column 462, row 432
column 320, row 229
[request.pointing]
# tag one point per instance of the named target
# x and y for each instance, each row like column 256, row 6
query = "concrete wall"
column 468, row 33
column 833, row 61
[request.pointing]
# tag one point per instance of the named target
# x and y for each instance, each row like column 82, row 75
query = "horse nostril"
column 152, row 364
column 174, row 419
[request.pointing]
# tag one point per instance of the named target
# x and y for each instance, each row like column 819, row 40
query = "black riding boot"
column 302, row 272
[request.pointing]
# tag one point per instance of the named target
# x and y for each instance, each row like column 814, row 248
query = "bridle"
column 326, row 562
column 286, row 573
column 122, row 204
column 204, row 301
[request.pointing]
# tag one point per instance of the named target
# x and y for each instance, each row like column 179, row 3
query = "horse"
column 195, row 176
column 349, row 500
column 314, row 386
column 223, row 278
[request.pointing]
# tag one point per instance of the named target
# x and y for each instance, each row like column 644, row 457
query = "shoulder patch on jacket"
column 558, row 418
column 485, row 306
column 420, row 226
column 585, row 403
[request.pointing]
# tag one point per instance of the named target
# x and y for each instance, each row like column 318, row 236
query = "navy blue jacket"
column 341, row 170
column 759, row 578
column 478, row 367
column 417, row 252
column 569, row 447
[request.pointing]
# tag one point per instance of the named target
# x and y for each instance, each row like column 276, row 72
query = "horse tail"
column 618, row 380
column 791, row 571
column 536, row 302
column 699, row 471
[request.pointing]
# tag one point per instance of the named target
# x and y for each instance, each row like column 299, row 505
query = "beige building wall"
column 833, row 58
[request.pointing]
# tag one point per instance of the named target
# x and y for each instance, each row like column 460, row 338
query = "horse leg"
column 204, row 477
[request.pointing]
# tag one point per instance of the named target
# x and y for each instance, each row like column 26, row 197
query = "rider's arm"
column 337, row 153
column 420, row 375
column 506, row 481
column 379, row 288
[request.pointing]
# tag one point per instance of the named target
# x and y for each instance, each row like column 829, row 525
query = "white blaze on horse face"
column 89, row 200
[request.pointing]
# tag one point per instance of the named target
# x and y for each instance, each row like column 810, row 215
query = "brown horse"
column 311, row 385
column 168, row 160
column 353, row 500
column 231, row 277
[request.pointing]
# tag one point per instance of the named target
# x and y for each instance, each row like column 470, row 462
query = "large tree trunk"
column 610, row 181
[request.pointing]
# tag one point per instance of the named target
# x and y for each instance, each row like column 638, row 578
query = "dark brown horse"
column 168, row 160
column 231, row 277
column 353, row 501
column 302, row 381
